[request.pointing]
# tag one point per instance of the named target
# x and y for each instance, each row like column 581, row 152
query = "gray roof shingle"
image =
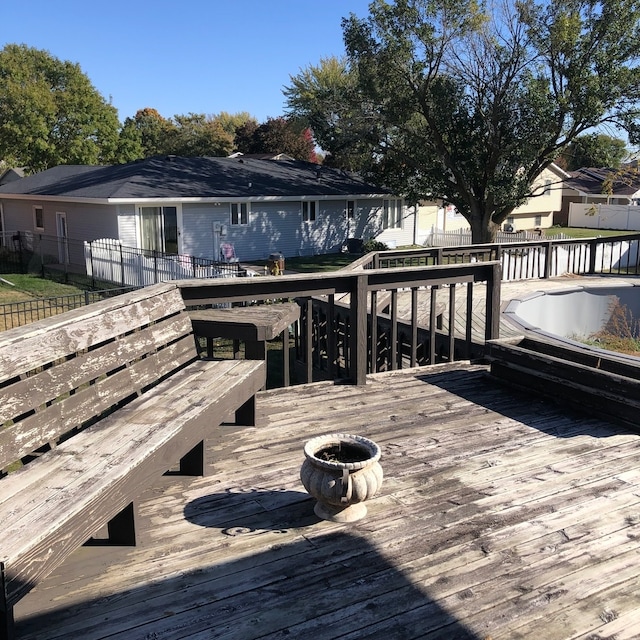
column 180, row 177
column 595, row 181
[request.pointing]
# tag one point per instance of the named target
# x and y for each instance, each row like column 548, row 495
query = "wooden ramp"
column 501, row 516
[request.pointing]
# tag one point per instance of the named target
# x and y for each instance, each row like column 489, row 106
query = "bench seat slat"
column 72, row 454
column 182, row 408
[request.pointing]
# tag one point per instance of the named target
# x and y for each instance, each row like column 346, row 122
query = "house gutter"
column 209, row 199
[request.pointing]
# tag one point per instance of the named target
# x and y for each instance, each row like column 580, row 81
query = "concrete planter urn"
column 341, row 471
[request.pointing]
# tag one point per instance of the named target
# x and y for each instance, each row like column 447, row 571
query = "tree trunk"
column 483, row 230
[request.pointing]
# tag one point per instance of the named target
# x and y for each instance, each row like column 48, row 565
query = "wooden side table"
column 252, row 325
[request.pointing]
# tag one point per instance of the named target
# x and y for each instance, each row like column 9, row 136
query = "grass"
column 575, row 232
column 28, row 287
column 314, row 264
column 628, row 346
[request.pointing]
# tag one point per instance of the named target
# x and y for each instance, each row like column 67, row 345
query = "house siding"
column 197, row 228
column 84, row 221
column 278, row 227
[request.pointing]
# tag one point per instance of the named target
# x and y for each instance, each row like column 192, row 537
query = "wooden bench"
column 96, row 403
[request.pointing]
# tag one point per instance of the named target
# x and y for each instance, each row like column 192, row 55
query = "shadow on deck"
column 501, row 516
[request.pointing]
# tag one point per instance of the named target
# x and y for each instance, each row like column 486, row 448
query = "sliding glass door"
column 159, row 229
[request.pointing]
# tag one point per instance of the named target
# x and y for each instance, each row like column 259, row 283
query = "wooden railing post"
column 492, row 327
column 358, row 364
column 308, row 339
column 548, row 255
column 593, row 249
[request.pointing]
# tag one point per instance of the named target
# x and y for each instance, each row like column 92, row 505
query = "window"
column 547, row 188
column 239, row 213
column 537, row 221
column 350, row 209
column 392, row 214
column 309, row 211
column 38, row 218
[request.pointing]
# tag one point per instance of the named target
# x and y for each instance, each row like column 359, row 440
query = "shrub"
column 374, row 245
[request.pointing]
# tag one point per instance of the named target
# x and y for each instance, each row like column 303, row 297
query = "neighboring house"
column 541, row 209
column 261, row 156
column 10, row 175
column 599, row 187
column 537, row 213
column 191, row 206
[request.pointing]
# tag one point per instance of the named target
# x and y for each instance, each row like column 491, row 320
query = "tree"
column 243, row 139
column 50, row 113
column 196, row 135
column 150, row 130
column 326, row 98
column 593, row 150
column 277, row 135
column 457, row 103
column 231, row 122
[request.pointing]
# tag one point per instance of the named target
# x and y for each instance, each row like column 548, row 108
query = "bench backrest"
column 63, row 373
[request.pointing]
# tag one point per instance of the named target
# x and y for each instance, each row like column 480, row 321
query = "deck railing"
column 525, row 260
column 351, row 322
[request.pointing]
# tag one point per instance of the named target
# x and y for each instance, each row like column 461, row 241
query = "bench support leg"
column 122, row 528
column 7, row 631
column 246, row 414
column 193, row 463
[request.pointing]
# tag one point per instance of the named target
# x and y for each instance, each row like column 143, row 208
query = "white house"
column 188, row 205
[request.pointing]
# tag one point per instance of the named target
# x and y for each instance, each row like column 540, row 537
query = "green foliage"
column 593, row 150
column 325, row 96
column 196, row 135
column 442, row 99
column 374, row 245
column 50, row 113
column 277, row 135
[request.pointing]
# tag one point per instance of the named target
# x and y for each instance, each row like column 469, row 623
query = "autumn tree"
column 244, row 136
column 50, row 113
column 149, row 131
column 197, row 135
column 278, row 135
column 469, row 103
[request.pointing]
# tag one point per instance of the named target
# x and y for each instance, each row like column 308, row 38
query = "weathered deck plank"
column 500, row 516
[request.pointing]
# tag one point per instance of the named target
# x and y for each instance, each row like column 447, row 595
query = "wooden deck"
column 500, row 516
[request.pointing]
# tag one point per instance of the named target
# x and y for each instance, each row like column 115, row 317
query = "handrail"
column 527, row 259
column 353, row 296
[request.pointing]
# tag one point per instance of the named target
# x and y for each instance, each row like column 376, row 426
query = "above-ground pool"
column 572, row 314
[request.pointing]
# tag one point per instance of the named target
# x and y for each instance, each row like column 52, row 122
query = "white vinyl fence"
column 107, row 260
column 614, row 256
column 604, row 216
column 462, row 237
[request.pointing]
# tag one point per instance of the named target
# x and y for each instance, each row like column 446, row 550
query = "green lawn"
column 29, row 286
column 576, row 232
column 313, row 264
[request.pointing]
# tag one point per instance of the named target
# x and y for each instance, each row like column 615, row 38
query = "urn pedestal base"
column 351, row 513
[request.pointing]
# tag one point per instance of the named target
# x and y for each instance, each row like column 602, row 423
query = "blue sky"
column 203, row 56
